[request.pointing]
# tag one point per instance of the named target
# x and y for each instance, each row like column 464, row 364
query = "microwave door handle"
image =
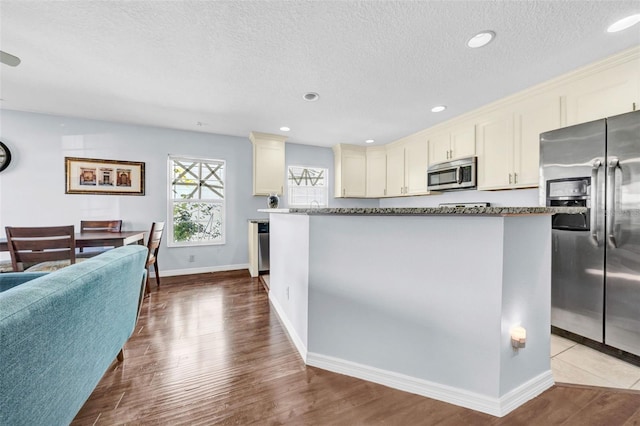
column 594, row 202
column 459, row 175
column 613, row 164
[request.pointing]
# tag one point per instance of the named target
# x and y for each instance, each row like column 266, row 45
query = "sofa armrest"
column 12, row 279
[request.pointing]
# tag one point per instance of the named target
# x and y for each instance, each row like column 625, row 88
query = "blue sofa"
column 60, row 332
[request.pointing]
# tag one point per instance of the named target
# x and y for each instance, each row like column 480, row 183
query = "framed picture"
column 103, row 177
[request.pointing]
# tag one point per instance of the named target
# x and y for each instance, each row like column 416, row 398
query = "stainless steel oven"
column 457, row 174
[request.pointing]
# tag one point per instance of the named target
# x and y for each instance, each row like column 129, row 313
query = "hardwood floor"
column 209, row 350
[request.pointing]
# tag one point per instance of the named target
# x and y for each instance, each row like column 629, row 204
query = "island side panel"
column 526, row 298
column 414, row 295
column 289, row 273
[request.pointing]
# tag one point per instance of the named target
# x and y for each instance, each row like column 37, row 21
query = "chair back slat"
column 100, row 225
column 155, row 237
column 39, row 245
column 29, row 245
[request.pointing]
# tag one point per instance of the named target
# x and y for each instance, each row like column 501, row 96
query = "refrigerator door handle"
column 594, row 202
column 612, row 165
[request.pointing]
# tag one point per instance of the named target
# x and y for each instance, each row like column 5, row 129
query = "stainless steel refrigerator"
column 596, row 255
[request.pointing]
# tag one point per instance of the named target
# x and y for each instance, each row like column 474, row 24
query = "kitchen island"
column 420, row 299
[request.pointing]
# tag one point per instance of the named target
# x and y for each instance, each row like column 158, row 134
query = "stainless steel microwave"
column 456, row 174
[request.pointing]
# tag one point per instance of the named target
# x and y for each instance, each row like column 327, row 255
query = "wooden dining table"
column 98, row 239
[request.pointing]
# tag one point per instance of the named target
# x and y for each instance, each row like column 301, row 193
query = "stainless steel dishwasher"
column 263, row 247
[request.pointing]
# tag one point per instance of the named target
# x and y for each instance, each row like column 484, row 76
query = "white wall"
column 32, row 188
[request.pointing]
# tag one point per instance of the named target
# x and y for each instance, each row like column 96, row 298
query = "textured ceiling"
column 238, row 66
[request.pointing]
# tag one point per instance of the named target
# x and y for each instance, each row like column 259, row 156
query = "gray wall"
column 32, row 188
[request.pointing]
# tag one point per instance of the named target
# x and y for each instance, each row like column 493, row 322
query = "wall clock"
column 5, row 156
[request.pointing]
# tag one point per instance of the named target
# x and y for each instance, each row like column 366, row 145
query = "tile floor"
column 575, row 363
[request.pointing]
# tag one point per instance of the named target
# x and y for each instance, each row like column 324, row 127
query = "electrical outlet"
column 192, row 258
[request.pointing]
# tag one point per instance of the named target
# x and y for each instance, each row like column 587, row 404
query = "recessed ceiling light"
column 285, row 128
column 624, row 23
column 481, row 39
column 369, row 141
column 311, row 96
column 438, row 108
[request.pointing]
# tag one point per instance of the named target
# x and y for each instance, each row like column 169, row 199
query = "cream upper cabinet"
column 376, row 171
column 494, row 134
column 456, row 142
column 395, row 169
column 509, row 142
column 439, row 147
column 416, row 162
column 268, row 163
column 606, row 93
column 407, row 166
column 350, row 168
column 534, row 116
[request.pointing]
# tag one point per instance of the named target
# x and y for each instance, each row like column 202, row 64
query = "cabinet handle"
column 515, row 178
column 385, row 191
column 509, row 178
column 450, row 154
column 634, row 106
column 344, row 192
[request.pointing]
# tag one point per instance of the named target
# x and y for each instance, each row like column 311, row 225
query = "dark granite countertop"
column 438, row 211
column 259, row 220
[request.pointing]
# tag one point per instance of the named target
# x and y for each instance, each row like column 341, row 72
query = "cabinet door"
column 463, row 141
column 610, row 92
column 376, row 172
column 533, row 117
column 395, row 170
column 268, row 167
column 354, row 172
column 415, row 160
column 439, row 147
column 495, row 151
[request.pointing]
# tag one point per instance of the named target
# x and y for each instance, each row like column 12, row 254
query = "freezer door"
column 577, row 262
column 577, row 284
column 622, row 309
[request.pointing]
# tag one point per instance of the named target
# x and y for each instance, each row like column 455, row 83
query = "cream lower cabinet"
column 612, row 91
column 509, row 143
column 268, row 163
column 350, row 169
column 457, row 142
column 407, row 166
column 376, row 172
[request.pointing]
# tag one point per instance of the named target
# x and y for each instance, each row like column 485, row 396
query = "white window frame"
column 171, row 200
column 321, row 203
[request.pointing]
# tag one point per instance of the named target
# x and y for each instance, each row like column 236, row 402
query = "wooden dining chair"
column 41, row 248
column 153, row 245
column 98, row 226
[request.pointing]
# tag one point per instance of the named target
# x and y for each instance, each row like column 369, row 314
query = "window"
column 196, row 201
column 308, row 186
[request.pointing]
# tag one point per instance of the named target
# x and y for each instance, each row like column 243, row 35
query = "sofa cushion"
column 59, row 333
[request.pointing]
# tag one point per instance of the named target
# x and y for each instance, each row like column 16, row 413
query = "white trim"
column 495, row 406
column 189, row 271
column 288, row 327
column 525, row 392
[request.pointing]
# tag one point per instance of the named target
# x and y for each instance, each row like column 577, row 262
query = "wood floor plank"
column 209, row 349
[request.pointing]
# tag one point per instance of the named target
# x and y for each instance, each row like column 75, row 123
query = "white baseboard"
column 495, row 406
column 221, row 268
column 288, row 327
